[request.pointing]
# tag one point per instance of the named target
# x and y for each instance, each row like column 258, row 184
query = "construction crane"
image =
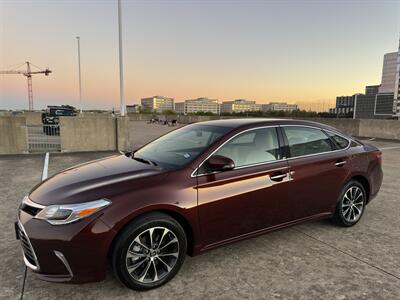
column 28, row 73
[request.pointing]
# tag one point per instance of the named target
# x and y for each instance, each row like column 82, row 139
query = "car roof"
column 234, row 123
column 253, row 122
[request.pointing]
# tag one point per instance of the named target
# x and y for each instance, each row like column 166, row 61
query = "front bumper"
column 75, row 252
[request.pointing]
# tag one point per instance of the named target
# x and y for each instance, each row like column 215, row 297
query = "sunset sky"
column 295, row 51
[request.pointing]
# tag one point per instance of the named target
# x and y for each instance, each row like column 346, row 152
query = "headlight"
column 68, row 213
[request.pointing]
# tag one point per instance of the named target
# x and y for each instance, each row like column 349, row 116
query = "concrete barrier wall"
column 140, row 117
column 385, row 129
column 87, row 134
column 122, row 134
column 13, row 135
column 348, row 126
column 109, row 134
column 33, row 117
column 194, row 119
column 133, row 134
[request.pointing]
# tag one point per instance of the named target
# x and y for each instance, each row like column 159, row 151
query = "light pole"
column 121, row 68
column 79, row 71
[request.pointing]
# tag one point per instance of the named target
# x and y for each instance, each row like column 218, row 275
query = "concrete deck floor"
column 310, row 261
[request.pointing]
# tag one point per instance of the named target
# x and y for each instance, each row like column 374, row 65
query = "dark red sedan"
column 194, row 189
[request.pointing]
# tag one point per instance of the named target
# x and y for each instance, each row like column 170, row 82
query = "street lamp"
column 79, row 72
column 121, row 69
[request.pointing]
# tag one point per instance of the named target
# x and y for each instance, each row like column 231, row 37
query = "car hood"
column 95, row 180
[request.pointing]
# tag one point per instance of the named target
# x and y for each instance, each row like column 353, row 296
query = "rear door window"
column 306, row 141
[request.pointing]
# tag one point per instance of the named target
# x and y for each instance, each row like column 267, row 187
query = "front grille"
column 26, row 247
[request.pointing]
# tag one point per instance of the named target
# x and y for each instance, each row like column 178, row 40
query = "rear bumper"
column 375, row 182
column 75, row 252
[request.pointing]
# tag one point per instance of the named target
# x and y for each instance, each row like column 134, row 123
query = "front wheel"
column 351, row 204
column 149, row 252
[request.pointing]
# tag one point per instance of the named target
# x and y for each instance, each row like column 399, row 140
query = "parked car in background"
column 51, row 118
column 194, row 189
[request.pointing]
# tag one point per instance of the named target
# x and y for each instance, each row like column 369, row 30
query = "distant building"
column 396, row 102
column 158, row 103
column 197, row 105
column 278, row 106
column 379, row 101
column 389, row 68
column 344, row 106
column 180, row 107
column 384, row 105
column 365, row 103
column 387, row 100
column 134, row 108
column 373, row 105
column 239, row 105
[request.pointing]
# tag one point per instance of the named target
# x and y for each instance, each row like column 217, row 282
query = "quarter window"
column 340, row 142
column 252, row 147
column 306, row 141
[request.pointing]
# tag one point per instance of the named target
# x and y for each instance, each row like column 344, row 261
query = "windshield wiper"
column 143, row 160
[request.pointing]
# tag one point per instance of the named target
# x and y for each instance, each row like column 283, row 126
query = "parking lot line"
column 389, row 148
column 45, row 166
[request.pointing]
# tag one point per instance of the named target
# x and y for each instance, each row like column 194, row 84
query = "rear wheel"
column 351, row 204
column 149, row 252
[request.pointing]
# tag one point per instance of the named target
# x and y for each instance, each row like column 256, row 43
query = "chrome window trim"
column 323, row 130
column 274, row 161
column 240, row 167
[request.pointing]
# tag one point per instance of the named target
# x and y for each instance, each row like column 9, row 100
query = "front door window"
column 252, row 147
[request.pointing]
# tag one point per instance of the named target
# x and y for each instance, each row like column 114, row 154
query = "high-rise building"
column 279, row 106
column 382, row 101
column 158, row 103
column 197, row 105
column 239, row 105
column 396, row 102
column 389, row 68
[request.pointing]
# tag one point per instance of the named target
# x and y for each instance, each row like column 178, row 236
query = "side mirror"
column 220, row 163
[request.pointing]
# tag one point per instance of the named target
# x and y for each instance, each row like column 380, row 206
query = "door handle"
column 340, row 163
column 278, row 177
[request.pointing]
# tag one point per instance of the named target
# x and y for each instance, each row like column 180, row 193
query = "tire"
column 145, row 267
column 351, row 204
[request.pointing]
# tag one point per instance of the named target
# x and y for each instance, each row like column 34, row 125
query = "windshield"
column 180, row 146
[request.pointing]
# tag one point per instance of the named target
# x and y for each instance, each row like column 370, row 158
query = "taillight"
column 378, row 155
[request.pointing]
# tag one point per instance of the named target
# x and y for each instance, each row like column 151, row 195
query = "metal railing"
column 44, row 138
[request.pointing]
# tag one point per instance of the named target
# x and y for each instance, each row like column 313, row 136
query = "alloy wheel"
column 152, row 254
column 352, row 204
